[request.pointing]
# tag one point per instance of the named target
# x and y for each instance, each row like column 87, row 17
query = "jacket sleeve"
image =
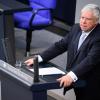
column 55, row 49
column 59, row 47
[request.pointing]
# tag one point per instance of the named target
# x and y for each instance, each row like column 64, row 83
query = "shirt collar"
column 86, row 33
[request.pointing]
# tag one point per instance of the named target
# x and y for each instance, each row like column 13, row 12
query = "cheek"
column 90, row 24
column 81, row 21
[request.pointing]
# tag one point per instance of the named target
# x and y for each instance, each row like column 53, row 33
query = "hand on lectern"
column 34, row 61
column 29, row 62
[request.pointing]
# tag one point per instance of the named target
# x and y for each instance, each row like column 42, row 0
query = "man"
column 83, row 63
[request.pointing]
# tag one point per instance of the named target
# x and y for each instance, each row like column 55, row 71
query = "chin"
column 84, row 29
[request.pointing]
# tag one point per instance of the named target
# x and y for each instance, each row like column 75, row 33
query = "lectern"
column 17, row 84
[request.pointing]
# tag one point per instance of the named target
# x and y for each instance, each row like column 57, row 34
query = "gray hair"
column 94, row 8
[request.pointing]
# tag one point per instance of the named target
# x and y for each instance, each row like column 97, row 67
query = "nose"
column 84, row 20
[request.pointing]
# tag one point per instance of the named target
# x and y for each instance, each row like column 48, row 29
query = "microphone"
column 36, row 68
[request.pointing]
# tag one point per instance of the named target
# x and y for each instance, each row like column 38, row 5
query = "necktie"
column 82, row 38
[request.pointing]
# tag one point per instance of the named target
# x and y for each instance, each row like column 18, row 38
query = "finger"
column 27, row 63
column 65, row 84
column 59, row 79
column 61, row 83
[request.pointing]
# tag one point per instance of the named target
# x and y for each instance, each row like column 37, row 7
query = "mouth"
column 83, row 26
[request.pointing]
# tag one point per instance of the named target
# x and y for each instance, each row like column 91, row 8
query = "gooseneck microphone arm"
column 36, row 68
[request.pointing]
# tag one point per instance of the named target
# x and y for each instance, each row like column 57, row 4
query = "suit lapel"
column 76, row 43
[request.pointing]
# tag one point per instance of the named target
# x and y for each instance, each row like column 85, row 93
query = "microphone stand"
column 36, row 68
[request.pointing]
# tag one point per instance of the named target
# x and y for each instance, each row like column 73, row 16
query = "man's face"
column 87, row 21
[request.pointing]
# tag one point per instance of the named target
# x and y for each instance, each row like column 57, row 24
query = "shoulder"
column 96, row 33
column 75, row 27
column 97, row 28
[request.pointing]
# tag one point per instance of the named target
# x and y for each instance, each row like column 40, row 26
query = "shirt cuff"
column 40, row 58
column 73, row 76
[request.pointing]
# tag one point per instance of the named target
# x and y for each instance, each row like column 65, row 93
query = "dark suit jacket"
column 85, row 62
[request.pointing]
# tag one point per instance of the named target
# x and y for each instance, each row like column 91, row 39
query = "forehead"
column 87, row 13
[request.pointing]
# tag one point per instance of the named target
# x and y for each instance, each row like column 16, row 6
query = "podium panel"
column 18, row 84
